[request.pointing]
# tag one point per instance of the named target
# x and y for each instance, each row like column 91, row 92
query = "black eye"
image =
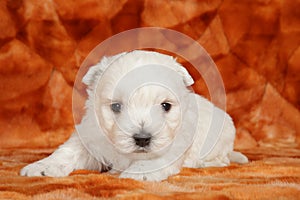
column 166, row 106
column 116, row 107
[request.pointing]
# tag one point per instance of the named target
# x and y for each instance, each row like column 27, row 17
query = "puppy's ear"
column 97, row 70
column 187, row 78
column 91, row 74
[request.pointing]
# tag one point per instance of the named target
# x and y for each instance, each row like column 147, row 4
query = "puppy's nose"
column 142, row 139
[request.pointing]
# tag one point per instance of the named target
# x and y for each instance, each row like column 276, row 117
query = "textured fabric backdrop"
column 255, row 44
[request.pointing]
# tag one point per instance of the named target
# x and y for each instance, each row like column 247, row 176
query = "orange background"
column 255, row 45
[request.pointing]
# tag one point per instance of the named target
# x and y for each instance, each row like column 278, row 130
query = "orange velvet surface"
column 271, row 174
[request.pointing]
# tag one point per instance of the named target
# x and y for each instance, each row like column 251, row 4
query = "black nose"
column 142, row 139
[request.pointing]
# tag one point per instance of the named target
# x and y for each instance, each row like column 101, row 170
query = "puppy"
column 143, row 122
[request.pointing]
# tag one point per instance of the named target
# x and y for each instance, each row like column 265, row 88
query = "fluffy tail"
column 237, row 157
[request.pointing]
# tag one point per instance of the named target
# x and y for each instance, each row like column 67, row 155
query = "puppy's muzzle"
column 142, row 139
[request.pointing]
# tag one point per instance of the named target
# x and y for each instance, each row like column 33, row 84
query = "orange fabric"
column 271, row 174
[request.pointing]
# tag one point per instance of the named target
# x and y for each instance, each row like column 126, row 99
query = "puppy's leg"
column 232, row 156
column 237, row 157
column 68, row 157
column 139, row 170
column 220, row 154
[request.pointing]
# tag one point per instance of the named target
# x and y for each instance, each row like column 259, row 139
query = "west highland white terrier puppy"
column 143, row 122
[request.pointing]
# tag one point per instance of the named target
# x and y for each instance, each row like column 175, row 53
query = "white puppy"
column 142, row 121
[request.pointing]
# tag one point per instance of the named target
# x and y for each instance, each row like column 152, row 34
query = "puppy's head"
column 138, row 98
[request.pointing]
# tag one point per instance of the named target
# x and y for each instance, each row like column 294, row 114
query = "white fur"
column 141, row 81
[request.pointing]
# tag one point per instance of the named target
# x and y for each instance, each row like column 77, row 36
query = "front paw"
column 143, row 176
column 159, row 175
column 44, row 168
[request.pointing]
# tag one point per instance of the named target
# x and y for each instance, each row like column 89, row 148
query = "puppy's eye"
column 116, row 107
column 166, row 106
